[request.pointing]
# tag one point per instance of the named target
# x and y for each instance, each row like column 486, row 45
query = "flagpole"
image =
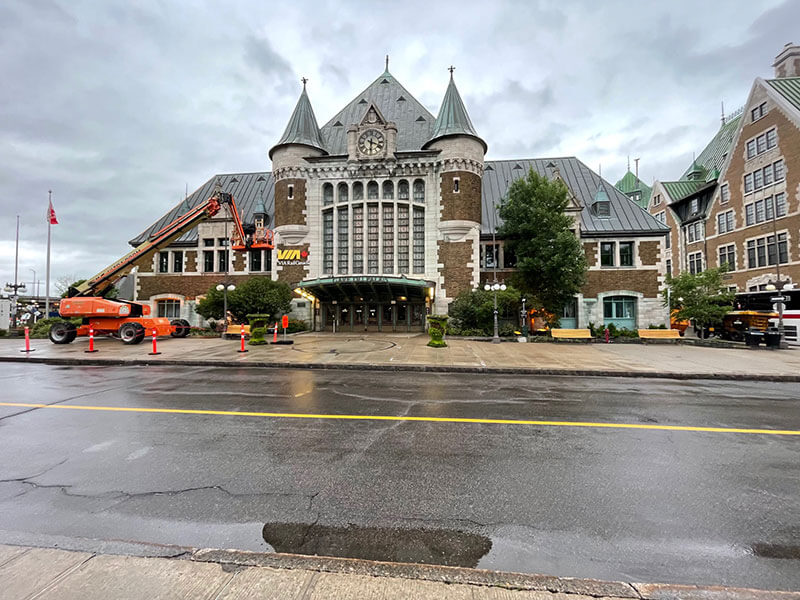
column 47, row 277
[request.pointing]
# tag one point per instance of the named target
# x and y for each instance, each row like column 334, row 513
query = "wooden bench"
column 237, row 330
column 659, row 334
column 571, row 334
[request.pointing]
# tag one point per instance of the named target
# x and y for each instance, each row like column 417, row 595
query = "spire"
column 302, row 128
column 453, row 118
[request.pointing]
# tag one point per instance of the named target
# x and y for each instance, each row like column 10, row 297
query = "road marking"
column 277, row 415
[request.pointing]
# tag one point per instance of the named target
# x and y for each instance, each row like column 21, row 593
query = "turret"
column 787, row 63
column 299, row 141
column 461, row 152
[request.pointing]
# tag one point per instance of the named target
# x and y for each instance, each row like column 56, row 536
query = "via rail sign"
column 292, row 256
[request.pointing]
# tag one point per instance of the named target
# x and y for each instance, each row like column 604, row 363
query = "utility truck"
column 132, row 321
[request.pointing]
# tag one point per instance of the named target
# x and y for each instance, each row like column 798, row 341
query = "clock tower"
column 373, row 138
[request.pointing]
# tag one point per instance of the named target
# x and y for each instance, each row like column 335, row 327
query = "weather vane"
column 451, row 69
column 304, row 80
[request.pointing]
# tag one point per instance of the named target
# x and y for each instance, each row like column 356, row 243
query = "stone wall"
column 465, row 205
column 456, row 258
column 290, row 212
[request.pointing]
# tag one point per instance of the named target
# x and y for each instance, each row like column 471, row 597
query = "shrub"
column 652, row 326
column 41, row 328
column 296, row 325
column 257, row 336
column 436, row 328
column 3, row 332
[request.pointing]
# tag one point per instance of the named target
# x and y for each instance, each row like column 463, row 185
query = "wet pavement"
column 617, row 504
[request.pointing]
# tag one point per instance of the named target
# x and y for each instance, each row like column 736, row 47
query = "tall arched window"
column 402, row 190
column 342, row 192
column 388, row 190
column 372, row 190
column 419, row 191
column 358, row 191
column 327, row 193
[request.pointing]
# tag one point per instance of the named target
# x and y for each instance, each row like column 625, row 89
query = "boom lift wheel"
column 131, row 333
column 181, row 328
column 62, row 333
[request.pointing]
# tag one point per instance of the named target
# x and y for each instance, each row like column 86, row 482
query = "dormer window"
column 694, row 206
column 602, row 208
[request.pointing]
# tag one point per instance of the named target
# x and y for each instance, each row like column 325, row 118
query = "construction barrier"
column 28, row 341
column 242, row 349
column 155, row 348
column 91, row 341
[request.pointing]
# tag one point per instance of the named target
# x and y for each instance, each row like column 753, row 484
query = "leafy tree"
column 551, row 264
column 256, row 295
column 700, row 297
column 475, row 309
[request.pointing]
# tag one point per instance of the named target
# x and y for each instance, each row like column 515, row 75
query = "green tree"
column 701, row 297
column 551, row 264
column 256, row 295
column 475, row 309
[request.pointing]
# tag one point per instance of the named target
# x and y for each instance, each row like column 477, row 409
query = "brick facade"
column 190, row 261
column 464, row 205
column 456, row 258
column 649, row 253
column 188, row 287
column 590, row 250
column 290, row 212
column 644, row 281
column 788, row 149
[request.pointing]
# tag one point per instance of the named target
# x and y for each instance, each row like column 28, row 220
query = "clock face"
column 371, row 142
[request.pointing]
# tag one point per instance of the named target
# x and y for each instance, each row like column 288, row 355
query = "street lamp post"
column 225, row 288
column 524, row 320
column 780, row 299
column 495, row 286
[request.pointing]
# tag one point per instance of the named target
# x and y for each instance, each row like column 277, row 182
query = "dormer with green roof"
column 635, row 189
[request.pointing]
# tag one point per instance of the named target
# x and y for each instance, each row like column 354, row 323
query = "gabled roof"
column 453, row 118
column 678, row 190
column 630, row 184
column 789, row 88
column 396, row 104
column 248, row 189
column 626, row 217
column 302, row 127
column 713, row 155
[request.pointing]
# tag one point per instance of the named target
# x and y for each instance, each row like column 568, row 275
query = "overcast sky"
column 118, row 106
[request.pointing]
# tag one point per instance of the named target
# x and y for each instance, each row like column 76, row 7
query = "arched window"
column 419, row 191
column 342, row 192
column 388, row 190
column 327, row 193
column 358, row 191
column 402, row 190
column 372, row 190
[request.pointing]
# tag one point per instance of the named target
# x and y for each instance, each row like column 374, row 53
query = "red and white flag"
column 51, row 215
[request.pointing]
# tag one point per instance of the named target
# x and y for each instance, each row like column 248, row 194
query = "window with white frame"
column 656, row 199
column 696, row 262
column 724, row 194
column 694, row 206
column 177, row 261
column 662, row 217
column 727, row 256
column 759, row 178
column 669, row 267
column 694, row 232
column 163, row 262
column 626, row 254
column 608, row 254
column 763, row 251
column 762, row 210
column 168, row 309
column 725, row 222
column 759, row 111
column 456, row 185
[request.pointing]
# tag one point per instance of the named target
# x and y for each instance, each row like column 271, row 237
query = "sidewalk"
column 50, row 574
column 410, row 352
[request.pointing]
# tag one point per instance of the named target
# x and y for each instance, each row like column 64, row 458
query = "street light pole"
column 524, row 320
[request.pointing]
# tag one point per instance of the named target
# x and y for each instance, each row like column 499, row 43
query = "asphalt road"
column 636, row 504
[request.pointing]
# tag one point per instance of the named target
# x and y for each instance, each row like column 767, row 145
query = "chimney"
column 787, row 63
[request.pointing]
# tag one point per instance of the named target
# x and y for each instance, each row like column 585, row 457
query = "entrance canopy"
column 368, row 288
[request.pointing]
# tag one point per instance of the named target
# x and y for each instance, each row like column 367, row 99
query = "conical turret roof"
column 453, row 118
column 302, row 128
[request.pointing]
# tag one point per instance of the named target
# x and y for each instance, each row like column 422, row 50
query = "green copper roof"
column 302, row 127
column 630, row 185
column 678, row 190
column 453, row 118
column 713, row 155
column 789, row 88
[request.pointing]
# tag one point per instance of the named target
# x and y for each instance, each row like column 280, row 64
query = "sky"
column 118, row 107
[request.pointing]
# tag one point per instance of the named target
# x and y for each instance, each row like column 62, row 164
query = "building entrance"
column 370, row 304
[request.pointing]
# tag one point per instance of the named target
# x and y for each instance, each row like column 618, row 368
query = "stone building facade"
column 385, row 214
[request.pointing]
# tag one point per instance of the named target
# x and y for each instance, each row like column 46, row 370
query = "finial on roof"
column 629, row 162
column 387, row 63
column 451, row 68
column 722, row 118
column 304, row 80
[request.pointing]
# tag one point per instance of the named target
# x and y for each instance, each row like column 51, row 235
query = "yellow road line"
column 278, row 415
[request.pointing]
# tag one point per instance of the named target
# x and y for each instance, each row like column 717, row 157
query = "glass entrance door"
column 387, row 323
column 373, row 317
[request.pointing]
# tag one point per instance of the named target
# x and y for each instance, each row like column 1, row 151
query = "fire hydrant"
column 607, row 335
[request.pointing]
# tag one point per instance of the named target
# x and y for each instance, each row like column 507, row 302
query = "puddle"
column 429, row 546
column 766, row 550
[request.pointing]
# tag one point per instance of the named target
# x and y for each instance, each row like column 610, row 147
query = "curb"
column 403, row 367
column 480, row 577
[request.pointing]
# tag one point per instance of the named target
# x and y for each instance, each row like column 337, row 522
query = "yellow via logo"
column 289, row 254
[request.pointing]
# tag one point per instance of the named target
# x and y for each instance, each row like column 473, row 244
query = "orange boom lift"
column 131, row 321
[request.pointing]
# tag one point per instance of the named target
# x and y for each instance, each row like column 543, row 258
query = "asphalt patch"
column 446, row 547
column 766, row 550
